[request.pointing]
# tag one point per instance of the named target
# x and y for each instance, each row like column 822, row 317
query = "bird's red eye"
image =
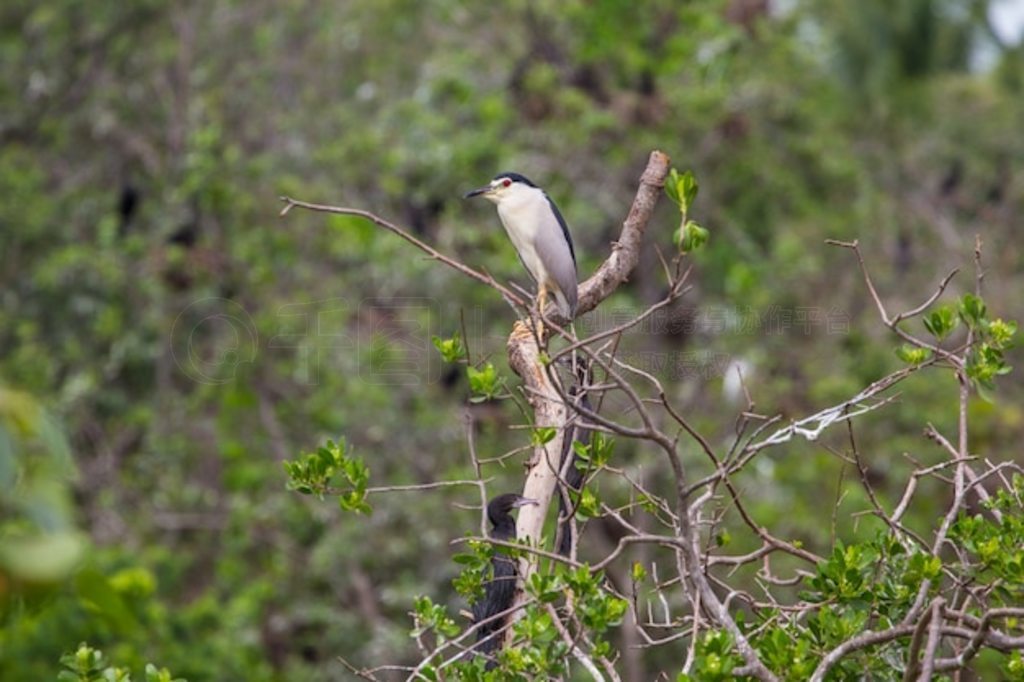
column 506, row 182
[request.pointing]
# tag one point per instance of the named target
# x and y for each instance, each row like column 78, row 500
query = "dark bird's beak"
column 477, row 192
column 522, row 502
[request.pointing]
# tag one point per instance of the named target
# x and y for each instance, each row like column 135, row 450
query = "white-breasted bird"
column 540, row 235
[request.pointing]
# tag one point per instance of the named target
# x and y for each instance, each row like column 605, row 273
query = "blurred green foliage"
column 89, row 665
column 39, row 544
column 189, row 342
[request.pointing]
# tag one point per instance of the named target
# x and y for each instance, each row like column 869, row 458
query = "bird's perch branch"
column 507, row 293
column 524, row 355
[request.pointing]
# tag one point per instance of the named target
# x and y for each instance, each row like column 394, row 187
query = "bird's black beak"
column 477, row 192
column 523, row 501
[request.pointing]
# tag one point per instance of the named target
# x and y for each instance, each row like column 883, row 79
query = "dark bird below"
column 500, row 590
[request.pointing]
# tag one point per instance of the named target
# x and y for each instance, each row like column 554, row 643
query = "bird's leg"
column 542, row 294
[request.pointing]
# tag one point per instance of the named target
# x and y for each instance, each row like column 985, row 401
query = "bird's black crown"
column 515, row 177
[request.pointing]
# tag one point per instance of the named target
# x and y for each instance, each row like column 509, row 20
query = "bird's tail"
column 571, row 476
column 488, row 642
column 566, row 308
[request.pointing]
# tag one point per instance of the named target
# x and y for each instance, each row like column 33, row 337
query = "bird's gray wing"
column 554, row 248
column 561, row 224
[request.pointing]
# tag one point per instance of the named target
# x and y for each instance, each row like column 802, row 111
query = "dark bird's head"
column 500, row 508
column 503, row 186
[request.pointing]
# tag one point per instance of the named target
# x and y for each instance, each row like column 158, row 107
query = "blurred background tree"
column 188, row 341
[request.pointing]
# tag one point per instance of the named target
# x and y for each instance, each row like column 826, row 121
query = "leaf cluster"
column 320, row 473
column 682, row 188
column 87, row 664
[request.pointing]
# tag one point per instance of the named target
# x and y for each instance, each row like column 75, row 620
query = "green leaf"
column 672, row 186
column 582, row 451
column 691, row 237
column 433, row 616
column 484, row 382
column 972, row 310
column 681, row 188
column 466, row 559
column 154, row 674
column 543, row 435
column 912, row 355
column 984, row 364
column 589, row 507
column 1001, row 332
column 354, row 502
column 688, row 189
column 84, row 664
column 601, row 448
column 940, row 322
column 546, row 587
column 452, row 349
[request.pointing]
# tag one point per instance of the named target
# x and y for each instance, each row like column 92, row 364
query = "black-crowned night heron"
column 540, row 235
